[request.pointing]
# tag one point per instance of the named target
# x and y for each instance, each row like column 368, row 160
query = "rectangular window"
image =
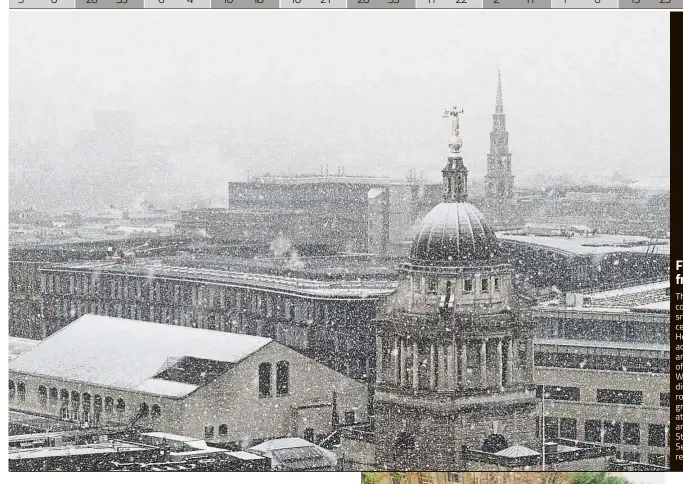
column 484, row 285
column 593, row 430
column 208, row 432
column 468, row 285
column 631, row 456
column 349, row 417
column 568, row 428
column 264, row 370
column 222, row 430
column 418, row 284
column 656, row 459
column 656, row 435
column 625, row 397
column 551, row 428
column 664, row 399
column 611, row 432
column 496, row 284
column 631, row 433
column 558, row 393
column 431, row 289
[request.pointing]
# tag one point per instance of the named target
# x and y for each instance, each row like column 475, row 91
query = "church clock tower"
column 499, row 178
column 454, row 360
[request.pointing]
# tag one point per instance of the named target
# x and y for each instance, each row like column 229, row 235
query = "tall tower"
column 499, row 178
column 454, row 360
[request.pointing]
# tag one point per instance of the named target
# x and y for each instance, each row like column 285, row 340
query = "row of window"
column 601, row 362
column 281, row 379
column 604, row 431
column 623, row 397
column 71, row 403
column 612, row 432
column 485, row 283
column 178, row 293
column 642, row 331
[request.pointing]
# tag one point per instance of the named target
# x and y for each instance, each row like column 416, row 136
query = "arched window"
column 120, row 405
column 97, row 409
column 54, row 396
column 21, row 391
column 292, row 312
column 156, row 411
column 42, row 395
column 12, row 389
column 222, row 430
column 87, row 400
column 108, row 405
column 282, row 378
column 208, row 432
column 309, row 434
column 143, row 411
column 264, row 371
column 64, row 396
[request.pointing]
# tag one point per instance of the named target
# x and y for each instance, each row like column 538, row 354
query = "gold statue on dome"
column 454, row 142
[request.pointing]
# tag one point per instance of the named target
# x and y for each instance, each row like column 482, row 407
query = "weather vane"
column 455, row 142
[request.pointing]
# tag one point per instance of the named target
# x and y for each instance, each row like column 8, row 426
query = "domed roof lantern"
column 454, row 233
column 454, row 173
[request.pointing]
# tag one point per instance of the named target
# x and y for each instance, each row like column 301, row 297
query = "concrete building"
column 568, row 258
column 320, row 307
column 349, row 213
column 222, row 387
column 602, row 360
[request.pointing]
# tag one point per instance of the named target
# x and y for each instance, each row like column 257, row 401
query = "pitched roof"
column 517, row 451
column 128, row 354
column 295, row 454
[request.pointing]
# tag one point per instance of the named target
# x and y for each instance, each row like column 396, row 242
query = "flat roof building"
column 602, row 362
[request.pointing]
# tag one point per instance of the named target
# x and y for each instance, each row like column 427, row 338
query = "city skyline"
column 575, row 106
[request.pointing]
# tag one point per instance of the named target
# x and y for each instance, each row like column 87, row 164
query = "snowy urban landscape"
column 333, row 243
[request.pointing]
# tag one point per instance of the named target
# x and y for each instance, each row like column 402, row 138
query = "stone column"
column 416, row 367
column 451, row 367
column 455, row 364
column 439, row 369
column 510, row 363
column 432, row 367
column 463, row 365
column 442, row 380
column 379, row 372
column 394, row 363
column 483, row 372
column 402, row 378
column 499, row 363
column 529, row 360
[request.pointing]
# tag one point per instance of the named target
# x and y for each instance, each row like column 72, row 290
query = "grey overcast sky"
column 228, row 93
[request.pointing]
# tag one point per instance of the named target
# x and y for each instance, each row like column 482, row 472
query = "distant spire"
column 499, row 96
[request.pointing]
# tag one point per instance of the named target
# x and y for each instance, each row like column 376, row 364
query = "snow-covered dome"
column 453, row 234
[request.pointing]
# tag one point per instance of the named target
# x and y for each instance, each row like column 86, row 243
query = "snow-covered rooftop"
column 661, row 305
column 329, row 289
column 653, row 296
column 590, row 245
column 18, row 346
column 294, row 453
column 517, row 451
column 99, row 350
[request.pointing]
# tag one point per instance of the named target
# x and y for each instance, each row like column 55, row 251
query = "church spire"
column 454, row 173
column 499, row 96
